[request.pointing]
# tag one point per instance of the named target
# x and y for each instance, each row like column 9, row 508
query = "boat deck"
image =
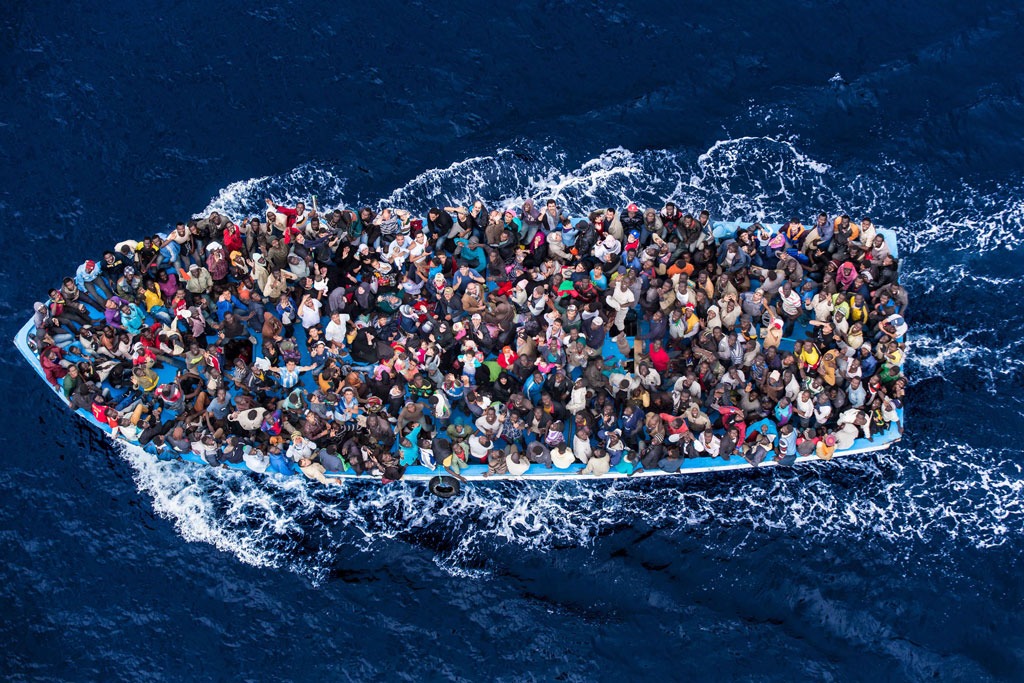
column 476, row 472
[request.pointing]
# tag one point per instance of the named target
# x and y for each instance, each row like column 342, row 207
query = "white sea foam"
column 916, row 504
column 246, row 198
column 919, row 502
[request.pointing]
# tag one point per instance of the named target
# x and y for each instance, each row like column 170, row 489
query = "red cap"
column 632, row 207
column 90, row 264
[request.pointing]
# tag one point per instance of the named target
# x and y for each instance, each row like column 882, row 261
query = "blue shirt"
column 475, row 255
column 787, row 444
column 226, row 307
column 533, row 389
column 868, row 365
column 460, row 281
column 81, row 276
column 569, row 236
column 219, row 410
column 410, row 454
column 771, row 430
column 134, row 321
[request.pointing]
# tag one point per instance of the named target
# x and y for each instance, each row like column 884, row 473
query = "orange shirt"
column 676, row 270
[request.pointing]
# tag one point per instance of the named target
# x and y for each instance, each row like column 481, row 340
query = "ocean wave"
column 918, row 505
column 245, row 198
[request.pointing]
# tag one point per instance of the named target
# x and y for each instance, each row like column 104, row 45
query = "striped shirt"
column 289, row 378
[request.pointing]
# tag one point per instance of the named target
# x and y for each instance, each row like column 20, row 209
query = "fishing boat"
column 443, row 485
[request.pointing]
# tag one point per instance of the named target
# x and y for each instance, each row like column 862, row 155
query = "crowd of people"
column 352, row 341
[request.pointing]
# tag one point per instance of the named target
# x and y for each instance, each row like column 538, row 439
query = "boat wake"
column 917, row 505
column 921, row 499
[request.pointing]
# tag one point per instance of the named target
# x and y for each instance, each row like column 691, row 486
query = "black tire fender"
column 444, row 486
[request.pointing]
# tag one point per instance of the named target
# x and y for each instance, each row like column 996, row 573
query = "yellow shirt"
column 691, row 319
column 858, row 314
column 809, row 356
column 152, row 298
column 148, row 381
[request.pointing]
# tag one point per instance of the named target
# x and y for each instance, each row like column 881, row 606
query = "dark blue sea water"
column 117, row 118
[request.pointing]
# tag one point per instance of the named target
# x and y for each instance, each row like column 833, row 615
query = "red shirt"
column 232, row 239
column 659, row 359
column 290, row 214
column 145, row 355
column 668, row 419
column 289, row 233
column 100, row 413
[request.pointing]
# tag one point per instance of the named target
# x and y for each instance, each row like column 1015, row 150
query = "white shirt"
column 517, row 469
column 821, row 305
column 398, row 251
column 309, row 313
column 804, row 409
column 897, row 321
column 710, row 448
column 297, row 451
column 443, row 409
column 336, row 332
column 598, row 466
column 477, row 449
column 581, row 448
column 492, row 429
column 562, row 457
column 256, row 460
column 615, row 380
column 417, row 250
